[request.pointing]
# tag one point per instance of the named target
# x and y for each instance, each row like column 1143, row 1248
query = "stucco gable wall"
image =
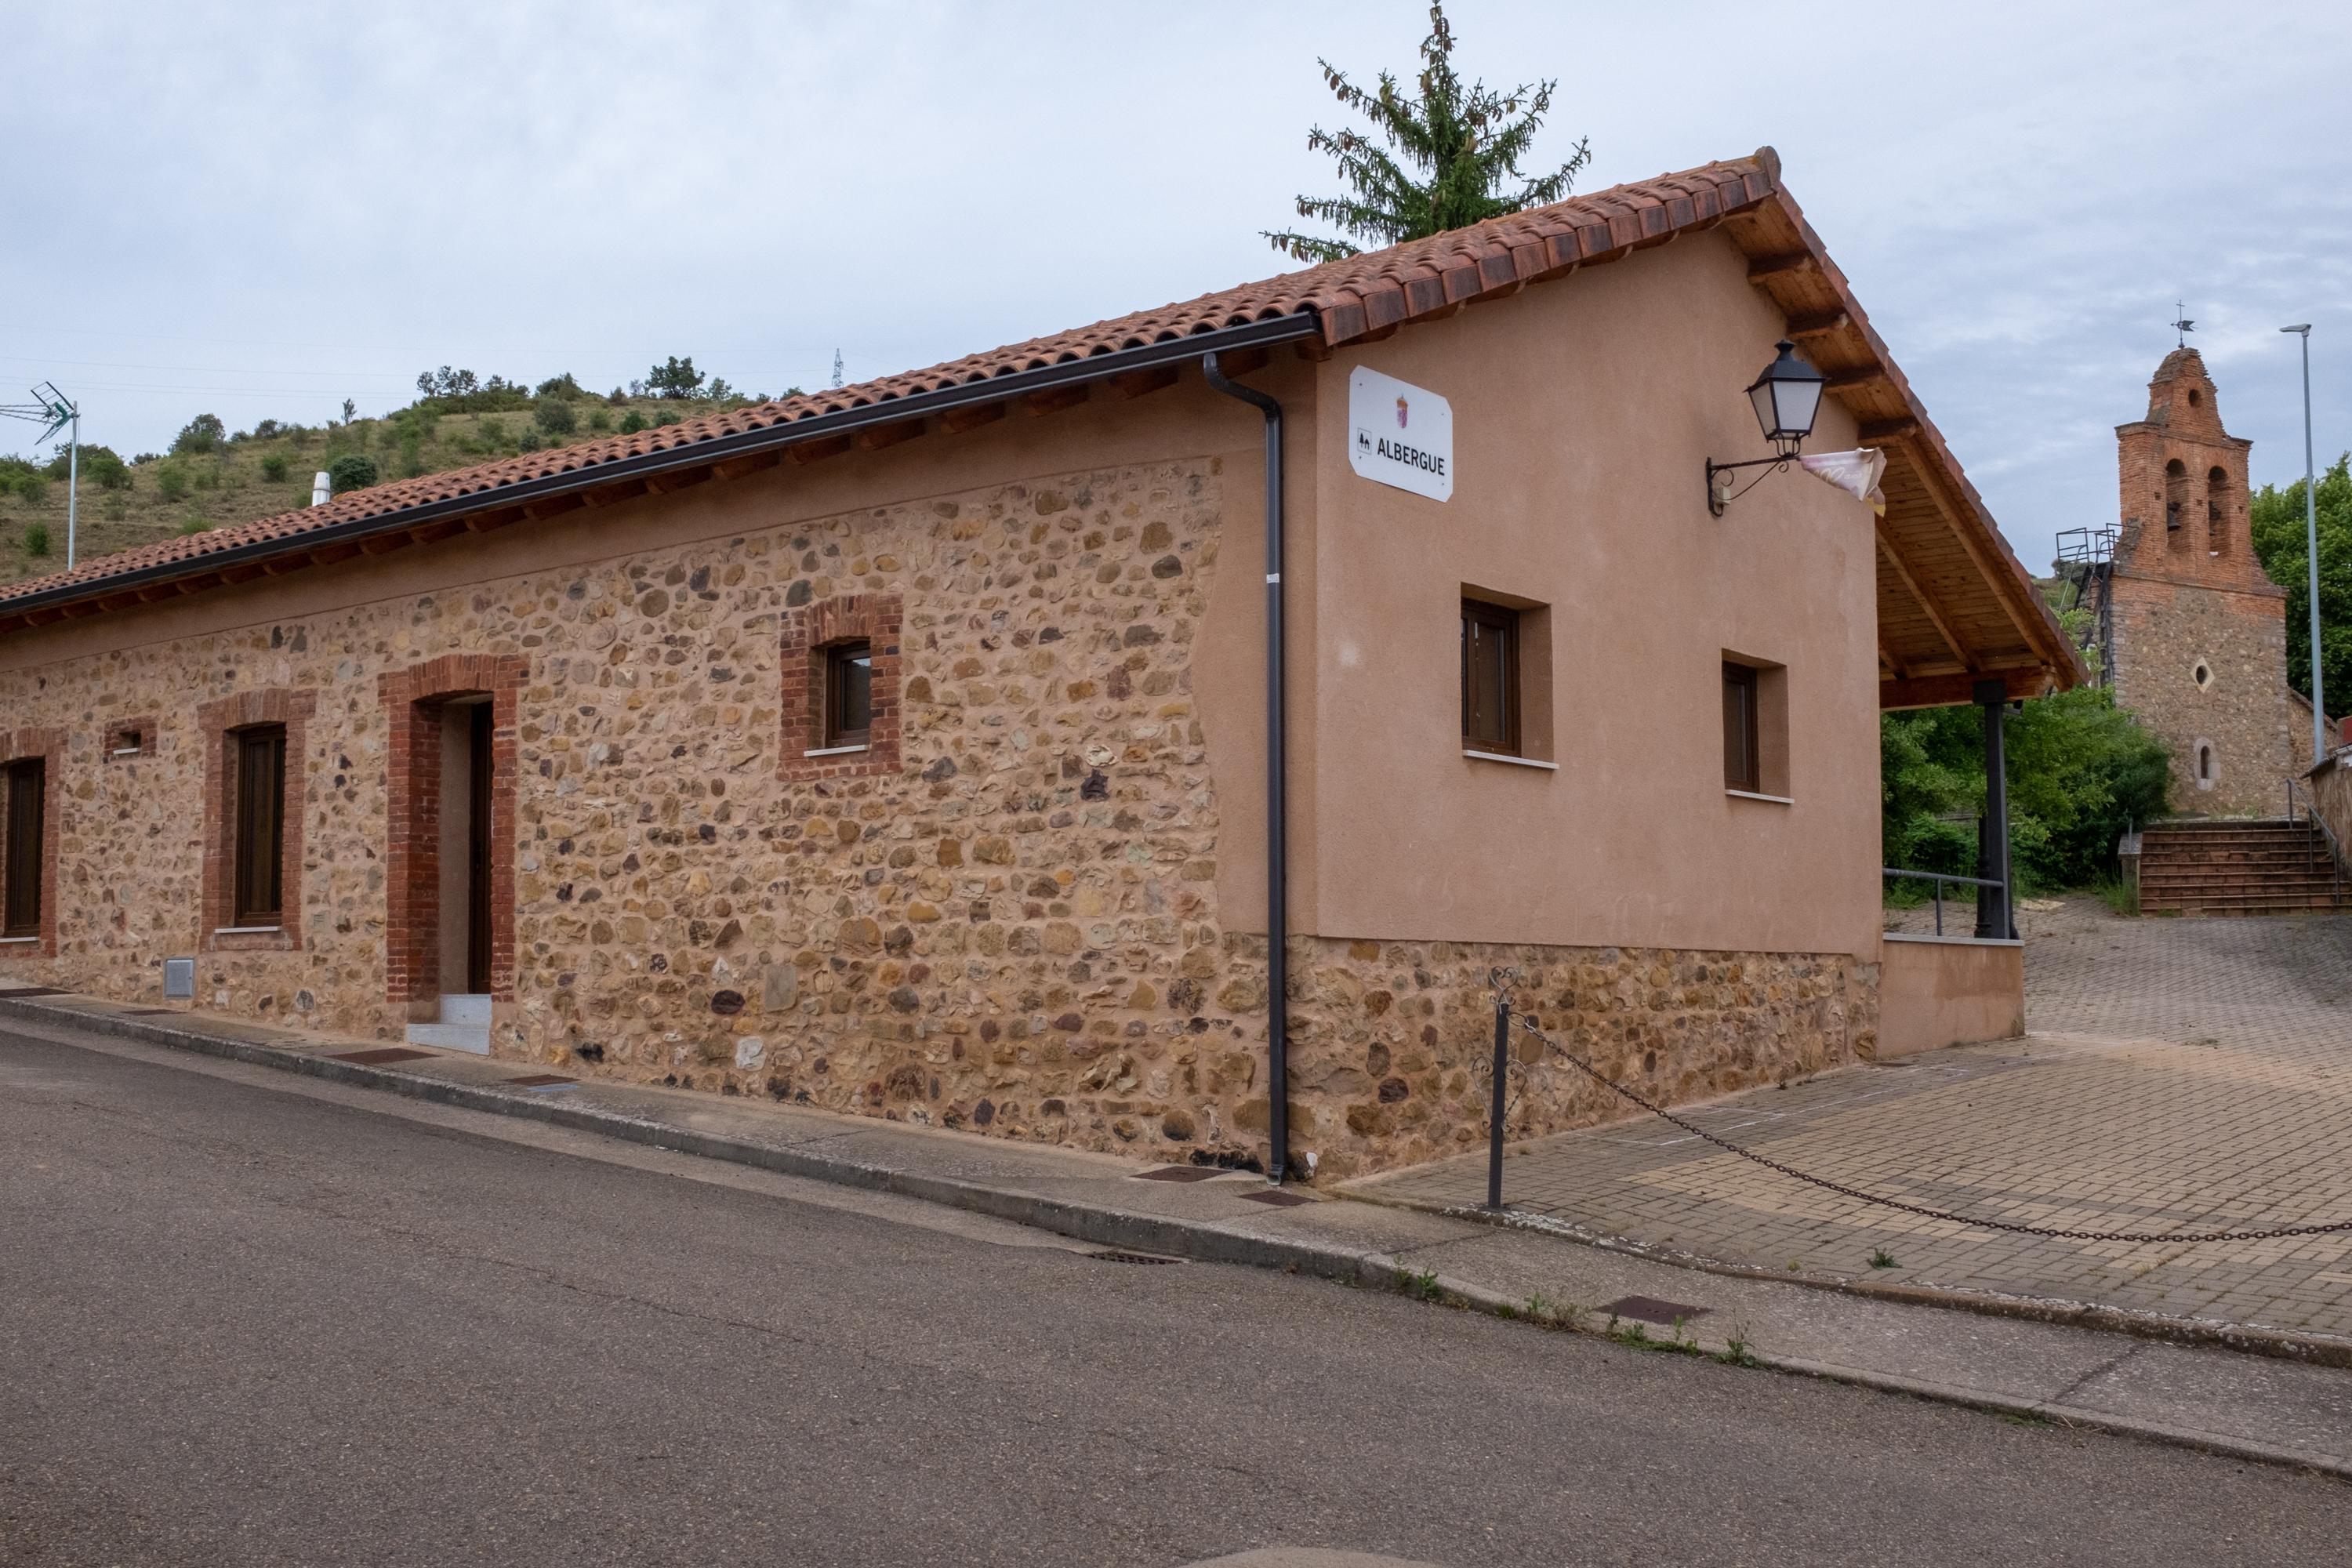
column 1584, row 411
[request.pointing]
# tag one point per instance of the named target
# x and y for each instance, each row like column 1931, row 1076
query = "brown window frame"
column 1743, row 729
column 26, row 829
column 257, row 849
column 1503, row 623
column 842, row 664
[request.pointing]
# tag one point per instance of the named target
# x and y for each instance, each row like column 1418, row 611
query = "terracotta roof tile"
column 1350, row 298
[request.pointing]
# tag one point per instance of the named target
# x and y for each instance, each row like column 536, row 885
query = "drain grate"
column 1651, row 1310
column 1116, row 1256
column 1274, row 1198
column 381, row 1055
column 1178, row 1173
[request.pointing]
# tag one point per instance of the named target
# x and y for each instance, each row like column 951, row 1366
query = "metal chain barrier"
column 1499, row 979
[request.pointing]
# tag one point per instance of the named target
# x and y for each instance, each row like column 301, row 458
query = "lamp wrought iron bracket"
column 1716, row 500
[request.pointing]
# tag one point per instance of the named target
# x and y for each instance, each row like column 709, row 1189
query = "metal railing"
column 2294, row 791
column 1939, row 879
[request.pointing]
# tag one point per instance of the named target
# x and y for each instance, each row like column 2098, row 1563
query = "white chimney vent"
column 322, row 488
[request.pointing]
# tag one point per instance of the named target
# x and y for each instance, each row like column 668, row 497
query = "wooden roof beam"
column 873, row 437
column 1765, row 268
column 1141, row 383
column 1054, row 399
column 1928, row 605
column 2019, row 684
column 1821, row 324
column 972, row 416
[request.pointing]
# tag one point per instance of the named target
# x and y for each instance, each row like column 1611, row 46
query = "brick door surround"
column 218, row 721
column 49, row 745
column 413, row 700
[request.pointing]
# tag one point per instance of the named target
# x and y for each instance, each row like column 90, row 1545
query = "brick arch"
column 413, row 700
column 217, row 720
column 49, row 745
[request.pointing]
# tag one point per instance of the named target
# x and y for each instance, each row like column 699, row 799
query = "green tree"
column 2281, row 543
column 205, row 433
column 1453, row 159
column 2081, row 771
column 553, row 415
column 678, row 378
column 101, row 466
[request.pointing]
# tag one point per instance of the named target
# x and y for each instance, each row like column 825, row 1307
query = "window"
column 2176, row 494
column 848, row 694
column 1490, row 679
column 28, row 802
column 1742, row 743
column 260, row 844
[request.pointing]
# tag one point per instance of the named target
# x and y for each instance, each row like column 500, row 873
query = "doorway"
column 466, row 781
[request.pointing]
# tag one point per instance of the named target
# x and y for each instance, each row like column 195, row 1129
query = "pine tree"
column 1460, row 149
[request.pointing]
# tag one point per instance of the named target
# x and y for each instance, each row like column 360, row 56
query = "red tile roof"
column 1352, row 299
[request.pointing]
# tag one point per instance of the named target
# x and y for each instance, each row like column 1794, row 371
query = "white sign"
column 1399, row 434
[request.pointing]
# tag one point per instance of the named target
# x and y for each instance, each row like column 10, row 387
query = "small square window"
column 1490, row 679
column 127, row 738
column 129, row 741
column 848, row 694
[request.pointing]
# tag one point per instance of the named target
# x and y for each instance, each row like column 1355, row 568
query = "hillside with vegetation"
column 213, row 477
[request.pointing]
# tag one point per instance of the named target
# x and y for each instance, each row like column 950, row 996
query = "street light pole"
column 2311, row 535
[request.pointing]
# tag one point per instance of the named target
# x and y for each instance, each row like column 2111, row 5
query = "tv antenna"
column 53, row 413
column 2181, row 325
column 836, row 370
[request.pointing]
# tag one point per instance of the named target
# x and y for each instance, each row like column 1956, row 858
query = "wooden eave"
column 1955, row 607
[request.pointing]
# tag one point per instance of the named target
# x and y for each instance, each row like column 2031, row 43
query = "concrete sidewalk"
column 2273, row 1408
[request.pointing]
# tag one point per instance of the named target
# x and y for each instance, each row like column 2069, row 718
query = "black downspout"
column 1277, row 849
column 1996, row 909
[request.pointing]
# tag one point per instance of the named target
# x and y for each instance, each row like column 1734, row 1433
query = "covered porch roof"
column 1955, row 607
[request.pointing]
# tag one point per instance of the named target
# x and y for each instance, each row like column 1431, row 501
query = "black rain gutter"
column 1277, row 838
column 717, row 449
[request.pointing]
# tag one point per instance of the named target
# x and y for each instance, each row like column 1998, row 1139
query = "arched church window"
column 2217, row 511
column 2176, row 494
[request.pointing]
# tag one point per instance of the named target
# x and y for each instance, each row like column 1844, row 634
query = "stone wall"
column 1392, row 1043
column 1011, row 928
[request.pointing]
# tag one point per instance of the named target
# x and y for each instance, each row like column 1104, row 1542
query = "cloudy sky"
column 260, row 211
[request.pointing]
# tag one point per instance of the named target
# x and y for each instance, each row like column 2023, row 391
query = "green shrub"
column 669, row 416
column 207, row 478
column 564, row 386
column 555, row 415
column 36, row 539
column 205, row 433
column 172, row 481
column 530, row 440
column 100, row 465
column 194, row 522
column 352, row 471
column 599, row 420
column 631, row 422
column 273, row 469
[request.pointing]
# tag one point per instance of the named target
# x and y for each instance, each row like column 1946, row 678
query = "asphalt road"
column 248, row 1320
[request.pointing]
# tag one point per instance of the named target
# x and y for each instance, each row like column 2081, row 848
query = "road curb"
column 2315, row 1350
column 1126, row 1231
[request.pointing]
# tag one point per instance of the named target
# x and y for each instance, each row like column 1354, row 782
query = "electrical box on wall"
column 179, row 980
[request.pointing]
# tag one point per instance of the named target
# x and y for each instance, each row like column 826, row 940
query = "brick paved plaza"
column 2181, row 1074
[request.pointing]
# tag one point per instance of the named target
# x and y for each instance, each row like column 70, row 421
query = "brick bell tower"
column 2198, row 638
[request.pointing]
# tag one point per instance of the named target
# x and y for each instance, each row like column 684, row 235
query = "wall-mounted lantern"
column 1787, row 396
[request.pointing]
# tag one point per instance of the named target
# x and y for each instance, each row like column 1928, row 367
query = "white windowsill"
column 1751, row 794
column 834, row 751
column 247, row 931
column 127, row 752
column 1515, row 761
column 17, row 941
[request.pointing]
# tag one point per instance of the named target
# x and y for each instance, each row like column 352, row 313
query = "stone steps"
column 2236, row 868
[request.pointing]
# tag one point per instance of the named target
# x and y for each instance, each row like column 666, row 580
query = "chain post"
column 1495, row 1114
